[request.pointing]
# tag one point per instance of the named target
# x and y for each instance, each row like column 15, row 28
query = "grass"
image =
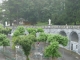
column 42, row 23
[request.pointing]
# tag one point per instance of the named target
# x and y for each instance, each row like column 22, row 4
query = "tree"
column 52, row 49
column 25, row 41
column 59, row 38
column 34, row 11
column 19, row 31
column 73, row 11
column 42, row 37
column 5, row 31
column 4, row 41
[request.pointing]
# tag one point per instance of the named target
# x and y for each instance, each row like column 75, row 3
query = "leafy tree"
column 4, row 41
column 40, row 30
column 42, row 37
column 16, row 33
column 5, row 30
column 34, row 31
column 19, row 31
column 73, row 11
column 25, row 42
column 52, row 49
column 34, row 11
column 30, row 30
column 59, row 38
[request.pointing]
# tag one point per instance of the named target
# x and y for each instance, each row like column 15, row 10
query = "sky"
column 0, row 1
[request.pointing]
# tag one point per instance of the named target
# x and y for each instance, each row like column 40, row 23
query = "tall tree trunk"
column 27, row 58
column 4, row 47
column 74, row 23
column 54, row 58
column 10, row 22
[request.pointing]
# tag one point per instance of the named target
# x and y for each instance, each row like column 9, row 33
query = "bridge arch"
column 63, row 33
column 74, row 36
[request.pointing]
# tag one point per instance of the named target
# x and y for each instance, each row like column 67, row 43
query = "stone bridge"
column 71, row 31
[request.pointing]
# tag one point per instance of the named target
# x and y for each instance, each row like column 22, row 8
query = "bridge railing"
column 53, row 26
column 57, row 26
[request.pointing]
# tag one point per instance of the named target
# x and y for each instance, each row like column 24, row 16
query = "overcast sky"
column 0, row 1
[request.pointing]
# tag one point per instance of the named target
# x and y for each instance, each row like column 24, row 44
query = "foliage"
column 4, row 41
column 35, row 11
column 30, row 30
column 42, row 37
column 59, row 38
column 40, row 30
column 18, row 40
column 31, row 37
column 52, row 50
column 5, row 30
column 73, row 11
column 33, row 31
column 42, row 23
column 25, row 42
column 16, row 33
column 21, row 29
column 1, row 29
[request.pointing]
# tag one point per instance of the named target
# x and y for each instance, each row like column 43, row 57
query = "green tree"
column 5, row 31
column 59, row 38
column 25, row 41
column 19, row 31
column 34, row 11
column 54, row 41
column 73, row 11
column 4, row 41
column 42, row 37
column 52, row 50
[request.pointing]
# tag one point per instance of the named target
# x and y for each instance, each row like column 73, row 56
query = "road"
column 66, row 55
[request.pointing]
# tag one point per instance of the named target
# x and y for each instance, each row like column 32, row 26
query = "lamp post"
column 17, row 47
column 49, row 24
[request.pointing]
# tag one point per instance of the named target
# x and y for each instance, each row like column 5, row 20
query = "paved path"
column 68, row 55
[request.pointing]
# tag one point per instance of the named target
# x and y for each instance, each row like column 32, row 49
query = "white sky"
column 0, row 1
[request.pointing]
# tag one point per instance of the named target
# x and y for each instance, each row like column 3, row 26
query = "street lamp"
column 17, row 47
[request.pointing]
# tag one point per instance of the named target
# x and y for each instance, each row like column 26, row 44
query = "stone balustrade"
column 52, row 26
column 57, row 26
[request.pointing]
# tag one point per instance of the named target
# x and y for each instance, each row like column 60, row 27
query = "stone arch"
column 74, row 36
column 62, row 33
